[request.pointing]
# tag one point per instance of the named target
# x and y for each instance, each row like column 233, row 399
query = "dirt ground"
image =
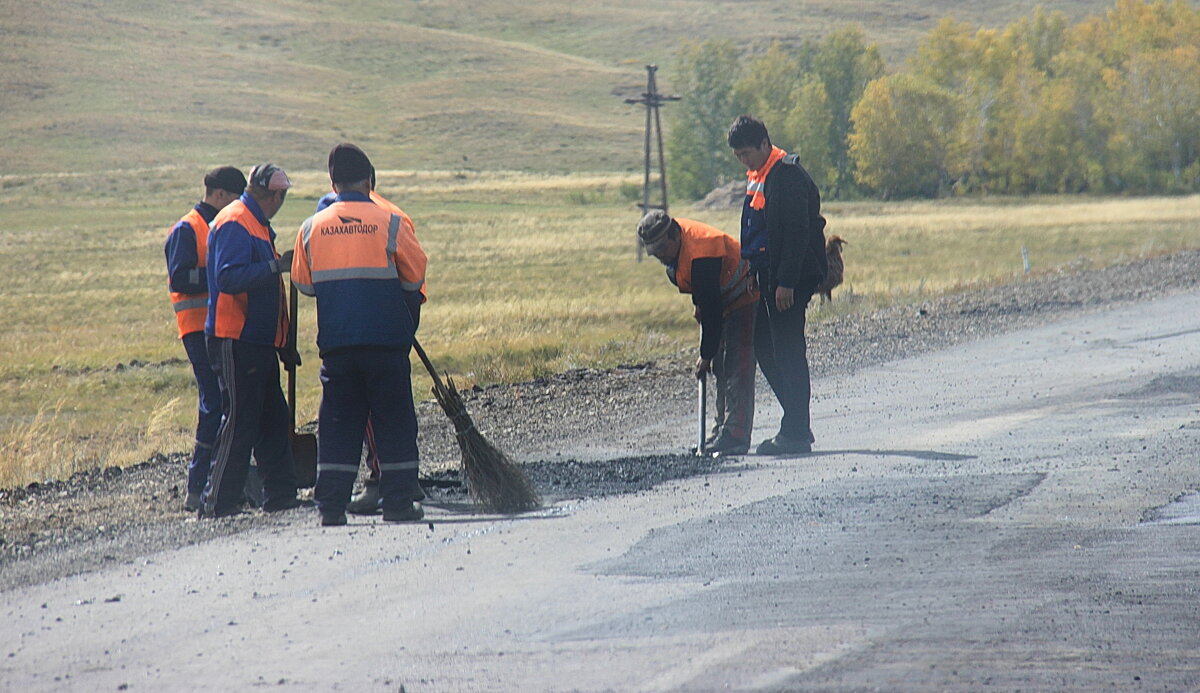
column 561, row 428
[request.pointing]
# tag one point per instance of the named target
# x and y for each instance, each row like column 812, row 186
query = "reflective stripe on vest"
column 356, row 260
column 192, row 309
column 405, row 226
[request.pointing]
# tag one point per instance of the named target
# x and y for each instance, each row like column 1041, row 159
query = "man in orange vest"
column 247, row 331
column 707, row 263
column 363, row 264
column 369, row 502
column 186, row 249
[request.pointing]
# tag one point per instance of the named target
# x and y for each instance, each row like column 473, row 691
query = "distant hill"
column 420, row 84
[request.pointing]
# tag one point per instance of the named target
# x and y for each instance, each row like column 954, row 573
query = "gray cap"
column 652, row 229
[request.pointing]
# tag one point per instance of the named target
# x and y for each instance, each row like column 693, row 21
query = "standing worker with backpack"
column 783, row 237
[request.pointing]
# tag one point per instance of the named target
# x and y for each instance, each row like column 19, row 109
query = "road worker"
column 705, row 262
column 186, row 250
column 783, row 237
column 247, row 330
column 369, row 501
column 363, row 264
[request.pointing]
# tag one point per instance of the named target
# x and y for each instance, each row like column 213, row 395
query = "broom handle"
column 428, row 365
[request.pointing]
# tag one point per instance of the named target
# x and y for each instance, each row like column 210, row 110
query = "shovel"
column 304, row 445
column 701, row 403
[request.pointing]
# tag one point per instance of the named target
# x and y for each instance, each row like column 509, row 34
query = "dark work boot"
column 411, row 513
column 367, row 502
column 782, row 445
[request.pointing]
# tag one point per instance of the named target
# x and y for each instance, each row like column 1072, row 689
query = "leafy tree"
column 808, row 125
column 902, row 137
column 765, row 89
column 696, row 145
column 794, row 107
column 845, row 64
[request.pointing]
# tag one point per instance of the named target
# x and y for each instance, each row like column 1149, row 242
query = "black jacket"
column 795, row 230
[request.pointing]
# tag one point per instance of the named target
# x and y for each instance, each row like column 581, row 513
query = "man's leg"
column 791, row 376
column 764, row 347
column 342, row 418
column 736, row 381
column 389, row 388
column 242, row 401
column 367, row 502
column 273, row 449
column 208, row 417
column 718, row 372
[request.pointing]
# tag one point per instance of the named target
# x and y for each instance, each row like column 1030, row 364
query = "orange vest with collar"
column 699, row 240
column 192, row 309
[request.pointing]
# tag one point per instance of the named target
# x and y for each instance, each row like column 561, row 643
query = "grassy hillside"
column 423, row 84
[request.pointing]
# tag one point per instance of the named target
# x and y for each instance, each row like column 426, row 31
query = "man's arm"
column 233, row 259
column 706, row 295
column 183, row 264
column 790, row 203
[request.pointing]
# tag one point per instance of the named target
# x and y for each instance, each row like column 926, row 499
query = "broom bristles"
column 494, row 481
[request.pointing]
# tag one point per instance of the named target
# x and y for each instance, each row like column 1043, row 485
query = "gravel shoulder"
column 114, row 516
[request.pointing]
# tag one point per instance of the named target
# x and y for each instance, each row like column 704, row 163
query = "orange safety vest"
column 406, row 224
column 232, row 309
column 356, row 257
column 192, row 309
column 699, row 240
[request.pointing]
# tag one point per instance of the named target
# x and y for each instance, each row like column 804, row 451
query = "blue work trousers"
column 256, row 421
column 361, row 383
column 782, row 354
column 208, row 418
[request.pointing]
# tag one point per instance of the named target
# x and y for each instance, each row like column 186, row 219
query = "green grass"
column 528, row 275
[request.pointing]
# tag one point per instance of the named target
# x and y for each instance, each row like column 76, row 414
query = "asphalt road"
column 1012, row 514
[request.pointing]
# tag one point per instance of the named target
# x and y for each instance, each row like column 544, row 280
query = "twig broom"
column 495, row 482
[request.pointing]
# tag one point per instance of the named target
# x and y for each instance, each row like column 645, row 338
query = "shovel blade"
column 304, row 455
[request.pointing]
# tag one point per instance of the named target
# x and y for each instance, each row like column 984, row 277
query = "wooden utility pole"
column 652, row 100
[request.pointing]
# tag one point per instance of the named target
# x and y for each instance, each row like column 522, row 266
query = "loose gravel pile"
column 117, row 515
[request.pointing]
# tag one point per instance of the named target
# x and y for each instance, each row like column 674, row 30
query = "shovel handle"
column 701, row 404
column 293, row 305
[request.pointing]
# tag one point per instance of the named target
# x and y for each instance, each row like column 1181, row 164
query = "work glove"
column 289, row 356
column 284, row 263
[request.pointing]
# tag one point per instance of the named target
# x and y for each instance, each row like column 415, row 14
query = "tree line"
column 1108, row 105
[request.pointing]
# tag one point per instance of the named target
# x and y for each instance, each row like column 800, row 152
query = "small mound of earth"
column 727, row 196
column 557, row 480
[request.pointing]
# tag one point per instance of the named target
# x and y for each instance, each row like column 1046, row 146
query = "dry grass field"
column 529, row 275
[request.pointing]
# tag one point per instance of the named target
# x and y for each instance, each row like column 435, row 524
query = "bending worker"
column 707, row 263
column 363, row 264
column 186, row 250
column 247, row 332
